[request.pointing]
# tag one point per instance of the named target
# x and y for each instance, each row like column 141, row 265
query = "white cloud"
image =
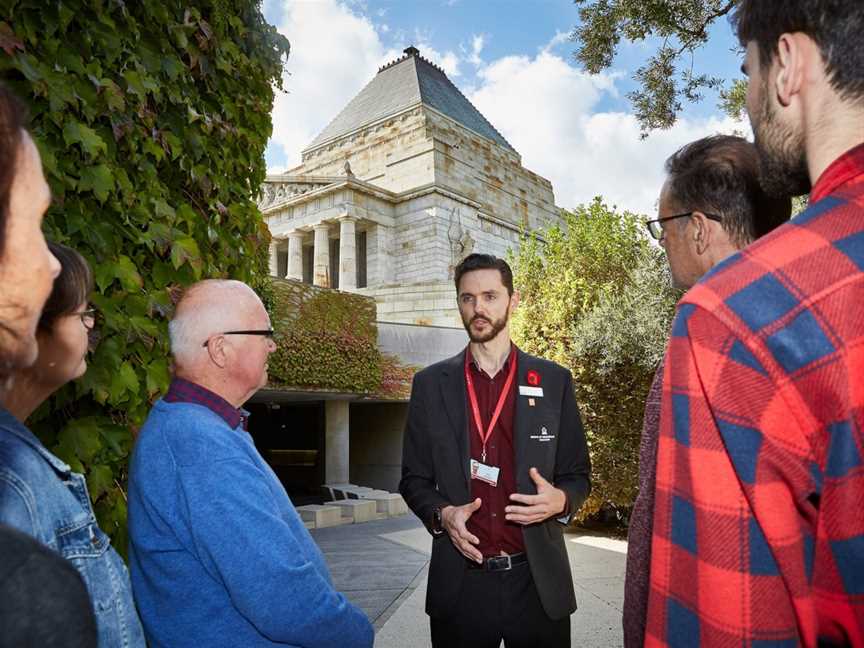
column 478, row 41
column 335, row 51
column 546, row 108
column 558, row 39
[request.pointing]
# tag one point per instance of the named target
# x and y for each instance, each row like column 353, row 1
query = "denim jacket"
column 41, row 496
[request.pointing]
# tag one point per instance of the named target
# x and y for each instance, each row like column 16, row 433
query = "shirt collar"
column 504, row 367
column 186, row 391
column 9, row 423
column 845, row 168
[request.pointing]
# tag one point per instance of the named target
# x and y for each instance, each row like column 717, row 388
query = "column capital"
column 323, row 225
column 346, row 217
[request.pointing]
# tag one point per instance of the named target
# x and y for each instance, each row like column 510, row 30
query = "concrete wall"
column 376, row 444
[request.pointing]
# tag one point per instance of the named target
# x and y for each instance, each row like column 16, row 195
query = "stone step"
column 358, row 510
column 392, row 504
column 320, row 515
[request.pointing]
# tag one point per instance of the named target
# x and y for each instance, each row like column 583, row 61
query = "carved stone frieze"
column 275, row 192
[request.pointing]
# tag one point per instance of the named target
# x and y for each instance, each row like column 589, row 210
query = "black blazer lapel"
column 453, row 390
column 523, row 426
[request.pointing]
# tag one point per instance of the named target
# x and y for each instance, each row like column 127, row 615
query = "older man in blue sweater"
column 218, row 554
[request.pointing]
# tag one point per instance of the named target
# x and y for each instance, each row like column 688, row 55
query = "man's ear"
column 514, row 300
column 701, row 232
column 216, row 350
column 789, row 62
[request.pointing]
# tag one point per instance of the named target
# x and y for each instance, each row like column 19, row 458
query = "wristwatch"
column 437, row 527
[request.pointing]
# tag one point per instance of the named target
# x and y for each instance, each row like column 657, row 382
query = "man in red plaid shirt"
column 759, row 517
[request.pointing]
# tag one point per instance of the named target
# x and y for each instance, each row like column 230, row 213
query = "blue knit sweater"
column 218, row 554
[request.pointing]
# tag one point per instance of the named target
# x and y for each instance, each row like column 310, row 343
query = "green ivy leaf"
column 97, row 179
column 100, row 480
column 185, row 250
column 125, row 380
column 127, row 273
column 79, row 442
column 77, row 133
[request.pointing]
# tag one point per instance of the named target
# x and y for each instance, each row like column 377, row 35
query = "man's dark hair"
column 835, row 25
column 720, row 175
column 72, row 287
column 12, row 121
column 485, row 262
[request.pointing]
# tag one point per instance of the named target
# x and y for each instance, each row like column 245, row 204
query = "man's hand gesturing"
column 547, row 502
column 454, row 519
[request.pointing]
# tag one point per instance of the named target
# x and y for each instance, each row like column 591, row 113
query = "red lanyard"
column 472, row 397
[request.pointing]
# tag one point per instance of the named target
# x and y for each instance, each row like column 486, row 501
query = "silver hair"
column 194, row 323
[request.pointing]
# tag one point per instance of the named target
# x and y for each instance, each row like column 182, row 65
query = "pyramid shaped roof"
column 406, row 82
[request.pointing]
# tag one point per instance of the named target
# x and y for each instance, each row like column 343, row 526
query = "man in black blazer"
column 495, row 464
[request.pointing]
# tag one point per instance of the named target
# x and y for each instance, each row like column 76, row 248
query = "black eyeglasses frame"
column 658, row 236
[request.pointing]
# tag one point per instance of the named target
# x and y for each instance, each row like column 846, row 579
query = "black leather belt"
column 500, row 563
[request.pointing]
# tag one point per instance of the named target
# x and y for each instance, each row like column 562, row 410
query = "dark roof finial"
column 411, row 51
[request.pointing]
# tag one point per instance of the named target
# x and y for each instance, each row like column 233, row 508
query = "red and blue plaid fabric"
column 185, row 391
column 758, row 536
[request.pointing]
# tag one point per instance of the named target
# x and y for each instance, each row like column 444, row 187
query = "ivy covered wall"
column 151, row 118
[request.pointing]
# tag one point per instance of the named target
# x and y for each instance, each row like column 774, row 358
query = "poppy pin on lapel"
column 533, row 378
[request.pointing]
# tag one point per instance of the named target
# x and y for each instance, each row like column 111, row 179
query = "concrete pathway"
column 381, row 567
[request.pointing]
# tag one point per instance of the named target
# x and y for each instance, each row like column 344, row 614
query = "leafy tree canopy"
column 667, row 79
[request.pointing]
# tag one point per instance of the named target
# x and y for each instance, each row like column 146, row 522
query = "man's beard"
column 782, row 156
column 496, row 327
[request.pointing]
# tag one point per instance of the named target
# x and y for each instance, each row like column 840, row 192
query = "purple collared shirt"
column 186, row 391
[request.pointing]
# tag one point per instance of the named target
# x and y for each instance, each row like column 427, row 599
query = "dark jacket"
column 435, row 465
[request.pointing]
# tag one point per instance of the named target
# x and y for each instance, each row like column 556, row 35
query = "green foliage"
column 326, row 339
column 667, row 78
column 151, row 119
column 596, row 298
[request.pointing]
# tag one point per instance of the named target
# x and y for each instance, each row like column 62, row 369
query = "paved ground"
column 381, row 566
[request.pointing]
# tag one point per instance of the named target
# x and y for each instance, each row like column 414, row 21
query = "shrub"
column 596, row 298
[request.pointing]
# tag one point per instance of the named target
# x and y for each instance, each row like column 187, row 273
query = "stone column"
column 295, row 255
column 336, row 446
column 274, row 258
column 347, row 254
column 321, row 263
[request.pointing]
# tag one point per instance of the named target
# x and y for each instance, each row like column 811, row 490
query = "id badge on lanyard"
column 479, row 469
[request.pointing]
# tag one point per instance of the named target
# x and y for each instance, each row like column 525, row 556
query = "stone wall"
column 430, row 304
column 395, row 154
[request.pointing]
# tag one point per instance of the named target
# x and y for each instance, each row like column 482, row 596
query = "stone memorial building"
column 407, row 180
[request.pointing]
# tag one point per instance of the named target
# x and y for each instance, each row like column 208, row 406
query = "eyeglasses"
column 88, row 318
column 656, row 230
column 268, row 333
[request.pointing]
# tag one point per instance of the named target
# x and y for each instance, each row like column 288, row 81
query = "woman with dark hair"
column 40, row 494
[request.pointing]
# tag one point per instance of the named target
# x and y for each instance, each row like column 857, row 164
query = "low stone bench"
column 321, row 515
column 391, row 504
column 359, row 510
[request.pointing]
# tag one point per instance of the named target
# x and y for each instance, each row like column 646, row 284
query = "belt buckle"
column 507, row 563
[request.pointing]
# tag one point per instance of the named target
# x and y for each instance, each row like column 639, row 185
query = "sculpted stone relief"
column 273, row 193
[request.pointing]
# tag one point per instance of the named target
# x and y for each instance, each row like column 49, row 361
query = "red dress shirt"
column 495, row 533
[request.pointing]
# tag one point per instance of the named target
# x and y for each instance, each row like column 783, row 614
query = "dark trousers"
column 500, row 605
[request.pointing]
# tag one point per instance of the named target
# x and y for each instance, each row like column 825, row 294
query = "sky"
column 514, row 61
